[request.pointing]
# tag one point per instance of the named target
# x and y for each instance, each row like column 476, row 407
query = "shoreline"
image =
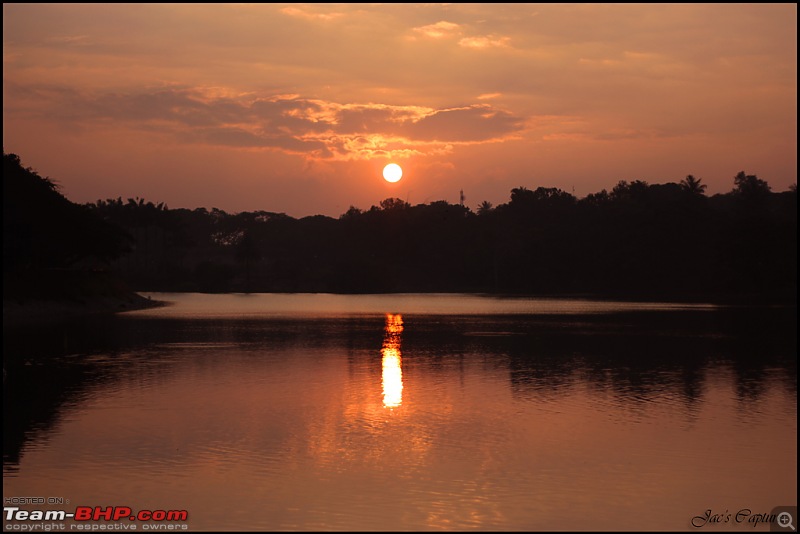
column 26, row 312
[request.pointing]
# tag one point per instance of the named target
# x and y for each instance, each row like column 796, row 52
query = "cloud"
column 439, row 29
column 69, row 40
column 444, row 29
column 479, row 122
column 304, row 14
column 313, row 128
column 630, row 133
column 487, row 41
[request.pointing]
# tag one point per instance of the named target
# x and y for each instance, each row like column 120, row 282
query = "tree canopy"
column 640, row 240
column 42, row 229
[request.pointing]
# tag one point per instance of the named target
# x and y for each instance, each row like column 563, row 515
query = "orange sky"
column 296, row 108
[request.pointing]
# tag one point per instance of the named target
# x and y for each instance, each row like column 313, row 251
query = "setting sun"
column 392, row 172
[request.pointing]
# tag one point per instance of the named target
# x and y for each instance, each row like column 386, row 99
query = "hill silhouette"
column 56, row 253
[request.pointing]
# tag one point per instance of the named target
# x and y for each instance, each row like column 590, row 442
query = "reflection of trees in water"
column 636, row 358
column 54, row 367
column 40, row 383
column 634, row 372
column 640, row 356
column 644, row 357
column 663, row 356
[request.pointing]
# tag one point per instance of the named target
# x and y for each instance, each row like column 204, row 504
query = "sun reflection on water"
column 392, row 371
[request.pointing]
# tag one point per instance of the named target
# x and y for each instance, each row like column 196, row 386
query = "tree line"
column 638, row 240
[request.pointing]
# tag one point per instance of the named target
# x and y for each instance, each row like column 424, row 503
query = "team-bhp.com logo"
column 95, row 513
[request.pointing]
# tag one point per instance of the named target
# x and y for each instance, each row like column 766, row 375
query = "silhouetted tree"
column 42, row 229
column 692, row 185
column 248, row 252
column 393, row 204
column 633, row 191
column 521, row 195
column 750, row 186
column 351, row 213
column 636, row 241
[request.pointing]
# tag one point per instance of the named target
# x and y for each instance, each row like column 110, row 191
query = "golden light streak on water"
column 392, row 376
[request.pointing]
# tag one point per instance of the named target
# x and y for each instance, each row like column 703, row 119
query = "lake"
column 406, row 412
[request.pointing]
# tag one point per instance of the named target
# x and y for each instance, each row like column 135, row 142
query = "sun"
column 392, row 172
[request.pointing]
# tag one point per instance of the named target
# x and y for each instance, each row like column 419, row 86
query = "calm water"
column 408, row 412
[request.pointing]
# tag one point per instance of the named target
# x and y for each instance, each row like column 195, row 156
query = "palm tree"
column 692, row 185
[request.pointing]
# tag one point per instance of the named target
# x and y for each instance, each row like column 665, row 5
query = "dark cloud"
column 294, row 124
column 367, row 120
column 470, row 124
